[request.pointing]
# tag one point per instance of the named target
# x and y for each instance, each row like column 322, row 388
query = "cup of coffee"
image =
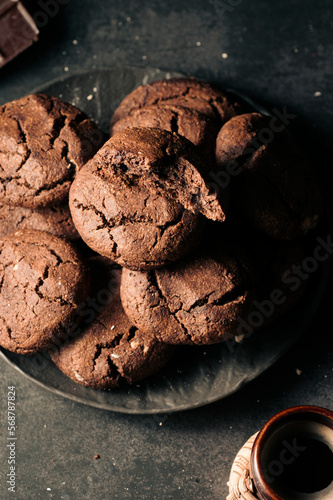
column 292, row 456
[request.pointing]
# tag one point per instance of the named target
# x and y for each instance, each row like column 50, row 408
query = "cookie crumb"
column 75, row 42
column 298, row 371
column 317, row 93
column 239, row 338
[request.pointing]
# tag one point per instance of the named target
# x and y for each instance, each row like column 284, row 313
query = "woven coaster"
column 240, row 483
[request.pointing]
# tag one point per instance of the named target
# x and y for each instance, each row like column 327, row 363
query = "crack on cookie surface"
column 114, row 373
column 154, row 282
column 131, row 333
column 41, row 281
column 25, row 142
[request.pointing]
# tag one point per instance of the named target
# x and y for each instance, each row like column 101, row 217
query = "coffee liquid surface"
column 310, row 471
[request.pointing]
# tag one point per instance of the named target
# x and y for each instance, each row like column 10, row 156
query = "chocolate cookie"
column 43, row 143
column 128, row 223
column 272, row 183
column 186, row 92
column 43, row 280
column 198, row 300
column 110, row 351
column 139, row 200
column 195, row 126
column 56, row 220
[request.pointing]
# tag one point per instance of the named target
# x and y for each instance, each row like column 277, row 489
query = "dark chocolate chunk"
column 17, row 30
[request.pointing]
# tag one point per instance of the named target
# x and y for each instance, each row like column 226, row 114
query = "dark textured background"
column 277, row 52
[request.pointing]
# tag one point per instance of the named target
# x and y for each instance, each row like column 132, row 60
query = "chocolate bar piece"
column 17, row 30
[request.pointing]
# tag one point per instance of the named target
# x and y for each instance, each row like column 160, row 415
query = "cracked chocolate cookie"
column 110, row 351
column 42, row 282
column 186, row 92
column 195, row 126
column 56, row 220
column 272, row 183
column 132, row 225
column 43, row 143
column 196, row 301
column 139, row 200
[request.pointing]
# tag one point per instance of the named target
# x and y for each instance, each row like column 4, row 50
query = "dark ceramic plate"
column 197, row 376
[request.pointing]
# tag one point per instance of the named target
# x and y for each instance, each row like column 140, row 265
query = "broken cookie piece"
column 43, row 281
column 43, row 143
column 141, row 200
column 166, row 162
column 130, row 224
column 110, row 351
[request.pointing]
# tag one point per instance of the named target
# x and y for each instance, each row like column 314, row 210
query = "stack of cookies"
column 193, row 211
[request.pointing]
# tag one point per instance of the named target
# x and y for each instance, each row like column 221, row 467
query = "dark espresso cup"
column 292, row 456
